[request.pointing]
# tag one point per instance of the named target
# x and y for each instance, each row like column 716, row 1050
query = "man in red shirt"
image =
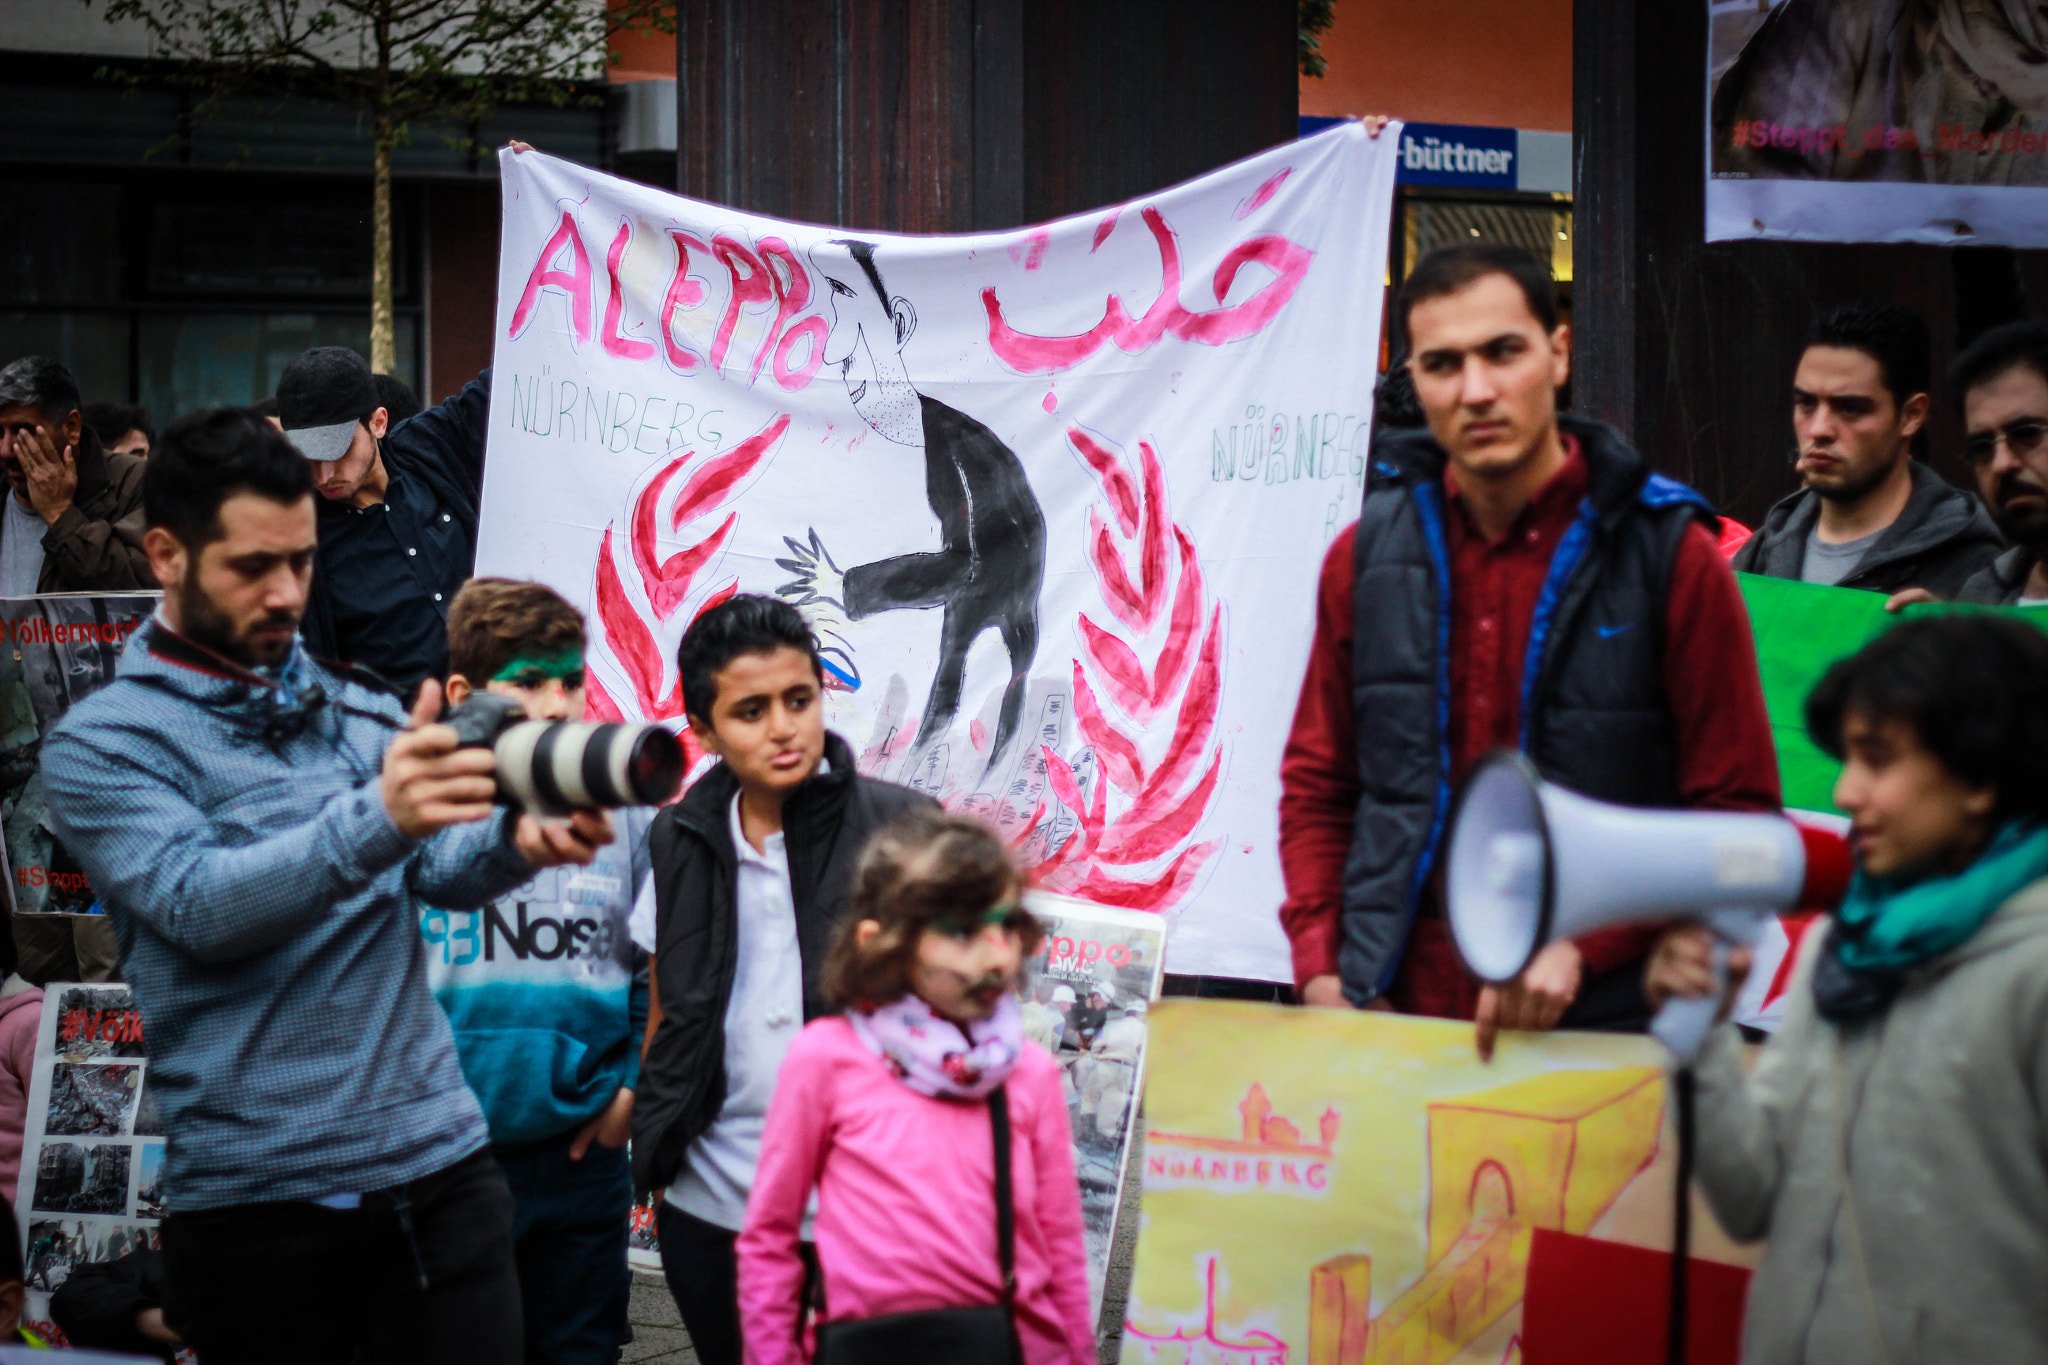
column 1515, row 580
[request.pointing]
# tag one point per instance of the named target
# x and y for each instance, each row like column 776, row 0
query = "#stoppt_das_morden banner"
column 1053, row 499
column 1878, row 121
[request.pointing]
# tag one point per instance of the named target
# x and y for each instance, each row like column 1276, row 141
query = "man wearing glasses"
column 1869, row 515
column 2003, row 377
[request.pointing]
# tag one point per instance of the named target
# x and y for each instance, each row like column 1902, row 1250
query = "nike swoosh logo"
column 1609, row 632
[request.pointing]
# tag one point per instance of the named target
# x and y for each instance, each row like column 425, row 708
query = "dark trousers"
column 1612, row 1002
column 421, row 1273
column 66, row 948
column 569, row 1228
column 702, row 1270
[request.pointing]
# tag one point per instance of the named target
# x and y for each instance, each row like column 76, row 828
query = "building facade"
column 177, row 252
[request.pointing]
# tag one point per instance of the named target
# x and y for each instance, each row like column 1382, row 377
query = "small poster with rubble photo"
column 91, row 1160
column 55, row 650
column 1085, row 994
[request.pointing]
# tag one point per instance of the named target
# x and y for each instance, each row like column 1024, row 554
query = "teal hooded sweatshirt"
column 545, row 991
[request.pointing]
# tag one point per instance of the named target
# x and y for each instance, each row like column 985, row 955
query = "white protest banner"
column 1054, row 499
column 1850, row 121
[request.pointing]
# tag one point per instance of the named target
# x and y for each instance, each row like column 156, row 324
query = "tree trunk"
column 383, row 327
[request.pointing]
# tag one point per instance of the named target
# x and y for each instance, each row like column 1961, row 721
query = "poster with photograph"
column 643, row 1245
column 92, row 1156
column 1849, row 121
column 53, row 651
column 1086, row 994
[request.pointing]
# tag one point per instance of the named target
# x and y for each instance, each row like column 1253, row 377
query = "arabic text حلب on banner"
column 1343, row 1187
column 1054, row 500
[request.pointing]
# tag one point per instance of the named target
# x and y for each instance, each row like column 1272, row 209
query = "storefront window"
column 1541, row 227
column 199, row 360
column 60, row 242
column 93, row 345
column 193, row 291
column 316, row 247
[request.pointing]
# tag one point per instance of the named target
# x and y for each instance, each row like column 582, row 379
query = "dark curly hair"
column 1972, row 686
column 1998, row 350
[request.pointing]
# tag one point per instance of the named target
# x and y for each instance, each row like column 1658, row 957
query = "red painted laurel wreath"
column 1139, row 811
column 642, row 643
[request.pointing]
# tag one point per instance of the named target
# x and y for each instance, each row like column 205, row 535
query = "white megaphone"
column 1529, row 862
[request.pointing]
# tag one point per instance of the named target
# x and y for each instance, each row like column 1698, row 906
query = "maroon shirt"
column 1726, row 757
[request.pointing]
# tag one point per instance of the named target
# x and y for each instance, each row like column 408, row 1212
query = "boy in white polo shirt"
column 750, row 873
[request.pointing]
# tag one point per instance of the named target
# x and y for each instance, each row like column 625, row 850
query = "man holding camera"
column 263, row 830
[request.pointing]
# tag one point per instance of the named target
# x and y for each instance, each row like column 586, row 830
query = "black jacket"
column 1999, row 583
column 441, row 450
column 1595, row 717
column 825, row 823
column 1943, row 535
column 96, row 546
column 97, row 1304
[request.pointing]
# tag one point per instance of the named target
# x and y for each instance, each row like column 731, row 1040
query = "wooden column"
column 1689, row 347
column 957, row 115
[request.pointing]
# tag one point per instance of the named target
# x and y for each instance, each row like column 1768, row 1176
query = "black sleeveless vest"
column 1594, row 713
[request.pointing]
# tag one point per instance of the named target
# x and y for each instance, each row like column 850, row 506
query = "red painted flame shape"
column 636, row 632
column 1159, row 804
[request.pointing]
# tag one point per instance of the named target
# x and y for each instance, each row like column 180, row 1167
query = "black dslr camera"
column 551, row 767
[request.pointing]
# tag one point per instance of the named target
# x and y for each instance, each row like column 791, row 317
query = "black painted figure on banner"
column 990, row 564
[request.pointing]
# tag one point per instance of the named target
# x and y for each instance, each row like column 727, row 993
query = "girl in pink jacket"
column 885, row 1112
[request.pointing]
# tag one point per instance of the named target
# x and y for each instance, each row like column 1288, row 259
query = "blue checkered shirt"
column 267, row 912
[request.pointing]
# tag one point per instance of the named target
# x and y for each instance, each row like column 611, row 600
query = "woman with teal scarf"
column 1892, row 1141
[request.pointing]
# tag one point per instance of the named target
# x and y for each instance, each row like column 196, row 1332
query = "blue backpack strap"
column 1659, row 491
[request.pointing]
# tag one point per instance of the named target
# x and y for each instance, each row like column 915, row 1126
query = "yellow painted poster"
column 1341, row 1187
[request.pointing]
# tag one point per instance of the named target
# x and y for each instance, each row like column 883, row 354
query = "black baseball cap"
column 321, row 396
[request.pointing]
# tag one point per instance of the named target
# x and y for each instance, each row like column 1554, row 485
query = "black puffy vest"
column 1594, row 713
column 825, row 824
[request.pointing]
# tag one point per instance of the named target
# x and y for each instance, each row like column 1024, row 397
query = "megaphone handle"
column 1683, row 1023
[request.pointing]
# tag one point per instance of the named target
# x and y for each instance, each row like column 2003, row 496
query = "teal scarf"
column 1892, row 924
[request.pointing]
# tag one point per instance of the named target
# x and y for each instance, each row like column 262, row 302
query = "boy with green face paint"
column 548, row 1000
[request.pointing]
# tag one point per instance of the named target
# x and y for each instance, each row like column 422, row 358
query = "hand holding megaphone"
column 1528, row 863
column 1682, row 967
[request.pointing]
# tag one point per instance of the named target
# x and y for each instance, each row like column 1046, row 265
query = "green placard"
column 1800, row 630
